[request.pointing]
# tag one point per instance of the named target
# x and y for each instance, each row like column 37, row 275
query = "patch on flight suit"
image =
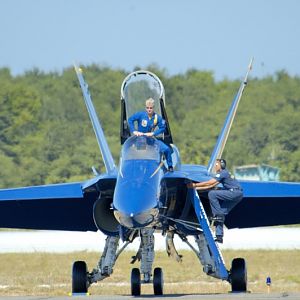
column 144, row 123
column 218, row 175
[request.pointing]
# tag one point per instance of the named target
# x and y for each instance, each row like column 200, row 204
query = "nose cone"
column 137, row 220
column 135, row 204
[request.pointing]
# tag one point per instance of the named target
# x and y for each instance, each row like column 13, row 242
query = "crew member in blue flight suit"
column 147, row 122
column 222, row 201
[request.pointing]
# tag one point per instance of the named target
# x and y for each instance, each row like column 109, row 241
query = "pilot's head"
column 220, row 164
column 150, row 105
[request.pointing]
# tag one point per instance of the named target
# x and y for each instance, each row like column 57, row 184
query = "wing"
column 266, row 204
column 66, row 206
column 55, row 207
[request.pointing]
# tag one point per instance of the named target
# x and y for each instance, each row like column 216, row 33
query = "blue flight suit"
column 224, row 200
column 146, row 124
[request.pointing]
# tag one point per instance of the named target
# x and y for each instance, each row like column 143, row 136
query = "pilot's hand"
column 149, row 134
column 191, row 185
column 137, row 133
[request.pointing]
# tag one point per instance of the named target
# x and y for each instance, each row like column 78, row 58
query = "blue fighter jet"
column 140, row 197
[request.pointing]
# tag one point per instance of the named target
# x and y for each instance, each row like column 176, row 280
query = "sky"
column 217, row 36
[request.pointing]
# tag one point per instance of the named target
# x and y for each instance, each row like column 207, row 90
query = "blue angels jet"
column 140, row 196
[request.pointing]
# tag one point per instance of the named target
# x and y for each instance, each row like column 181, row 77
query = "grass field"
column 50, row 274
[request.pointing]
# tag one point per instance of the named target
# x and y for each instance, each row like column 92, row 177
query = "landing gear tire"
column 238, row 275
column 79, row 277
column 135, row 282
column 158, row 281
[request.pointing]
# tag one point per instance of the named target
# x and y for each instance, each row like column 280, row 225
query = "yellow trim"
column 155, row 120
column 159, row 166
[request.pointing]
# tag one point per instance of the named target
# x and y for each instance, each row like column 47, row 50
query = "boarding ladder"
column 220, row 268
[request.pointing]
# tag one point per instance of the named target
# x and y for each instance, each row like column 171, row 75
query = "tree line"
column 46, row 136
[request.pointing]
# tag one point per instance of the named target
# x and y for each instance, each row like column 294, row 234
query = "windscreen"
column 141, row 148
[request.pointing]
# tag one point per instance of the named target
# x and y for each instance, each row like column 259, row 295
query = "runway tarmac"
column 236, row 296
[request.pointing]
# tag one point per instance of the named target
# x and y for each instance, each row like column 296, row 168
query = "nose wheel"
column 135, row 282
column 158, row 281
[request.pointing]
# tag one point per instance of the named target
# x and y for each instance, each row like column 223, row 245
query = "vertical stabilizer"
column 105, row 151
column 222, row 139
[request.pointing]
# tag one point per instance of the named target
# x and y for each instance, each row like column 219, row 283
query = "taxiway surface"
column 237, row 296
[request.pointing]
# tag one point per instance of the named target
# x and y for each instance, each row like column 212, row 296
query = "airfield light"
column 268, row 283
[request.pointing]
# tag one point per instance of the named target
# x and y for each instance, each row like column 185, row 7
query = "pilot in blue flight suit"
column 222, row 201
column 147, row 122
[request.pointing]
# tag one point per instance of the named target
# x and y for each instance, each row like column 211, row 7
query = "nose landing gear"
column 158, row 282
column 135, row 282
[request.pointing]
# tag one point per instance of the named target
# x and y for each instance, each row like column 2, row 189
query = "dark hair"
column 222, row 163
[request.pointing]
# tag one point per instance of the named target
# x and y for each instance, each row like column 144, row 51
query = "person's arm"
column 205, row 185
column 161, row 124
column 131, row 120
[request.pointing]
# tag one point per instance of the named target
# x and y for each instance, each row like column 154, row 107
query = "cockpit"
column 140, row 159
column 137, row 87
column 141, row 148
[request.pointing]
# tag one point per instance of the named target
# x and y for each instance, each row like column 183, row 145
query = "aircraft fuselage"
column 137, row 191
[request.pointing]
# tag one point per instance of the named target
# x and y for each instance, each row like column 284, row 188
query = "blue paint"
column 54, row 191
column 138, row 183
column 270, row 189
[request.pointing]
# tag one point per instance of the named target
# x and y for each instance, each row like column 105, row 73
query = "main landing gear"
column 238, row 275
column 79, row 277
column 82, row 279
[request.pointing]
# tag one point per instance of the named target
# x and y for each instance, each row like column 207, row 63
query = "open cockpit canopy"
column 136, row 88
column 139, row 86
